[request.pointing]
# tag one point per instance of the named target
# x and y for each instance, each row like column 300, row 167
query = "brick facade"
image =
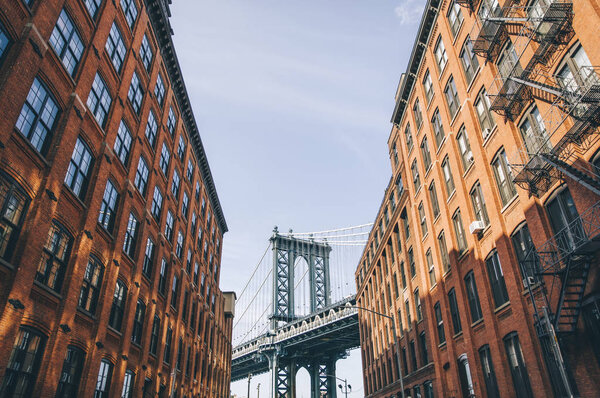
column 493, row 326
column 57, row 158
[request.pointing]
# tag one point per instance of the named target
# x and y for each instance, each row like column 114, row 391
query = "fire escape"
column 557, row 272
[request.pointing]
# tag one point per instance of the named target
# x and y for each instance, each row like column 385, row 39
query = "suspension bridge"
column 297, row 310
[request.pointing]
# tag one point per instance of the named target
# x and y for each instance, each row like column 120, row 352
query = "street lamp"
column 397, row 343
column 347, row 387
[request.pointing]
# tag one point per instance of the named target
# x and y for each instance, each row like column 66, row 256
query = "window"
column 196, row 269
column 179, row 354
column 171, row 121
column 162, row 278
column 186, row 298
column 423, row 346
column 484, row 115
column 517, row 367
column 181, row 148
column 4, row 41
column 146, row 53
column 440, row 323
column 452, row 97
column 123, row 143
column 534, row 132
column 169, row 226
column 411, row 261
column 435, row 205
column 115, row 47
column 138, row 322
column 136, row 93
column 174, row 292
column 92, row 6
column 468, row 60
column 464, row 373
column 444, row 251
column 489, row 376
column 197, row 194
column 408, row 137
column 141, row 176
column 165, row 159
column 508, row 65
column 154, row 335
column 478, row 202
column 157, row 200
column 422, row 219
column 438, row 128
column 66, row 42
column 108, row 208
column 70, row 375
column 167, row 352
column 565, row 222
column 151, row 129
column 413, row 355
column 457, row 326
column 179, row 247
column 55, row 255
column 99, row 100
column 23, row 364
column 459, row 232
column 38, row 116
column 148, row 263
column 496, row 279
column 417, row 114
column 190, row 170
column 418, row 307
column 473, row 297
column 488, row 8
column 127, row 391
column 466, row 156
column 79, row 169
column 404, row 217
column 425, row 154
column 104, row 376
column 129, row 245
column 455, row 18
column 428, row 389
column 90, row 288
column 130, row 10
column 503, row 177
column 577, row 72
column 159, row 90
column 403, row 274
column 448, row 179
column 175, row 184
column 115, row 319
column 415, row 173
column 431, row 267
column 440, row 55
column 185, row 201
column 428, row 86
column 395, row 154
column 523, row 245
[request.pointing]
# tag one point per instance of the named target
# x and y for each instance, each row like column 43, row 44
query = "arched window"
column 117, row 309
column 70, row 375
column 19, row 379
column 13, row 208
column 55, row 255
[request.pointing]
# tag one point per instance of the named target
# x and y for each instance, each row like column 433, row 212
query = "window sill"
column 7, row 264
column 478, row 323
column 29, row 150
column 469, row 168
column 461, row 256
column 458, row 111
column 442, row 345
column 114, row 331
column 76, row 200
column 452, row 194
column 492, row 133
column 428, row 170
column 457, row 335
column 472, row 82
column 109, row 237
column 458, row 31
column 509, row 204
column 437, row 218
column 440, row 146
column 429, row 101
column 86, row 314
column 500, row 310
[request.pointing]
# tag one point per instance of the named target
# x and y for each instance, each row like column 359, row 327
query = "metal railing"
column 572, row 240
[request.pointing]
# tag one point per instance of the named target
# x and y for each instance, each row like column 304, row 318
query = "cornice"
column 159, row 13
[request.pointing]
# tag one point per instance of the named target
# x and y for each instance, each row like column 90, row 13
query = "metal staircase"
column 569, row 305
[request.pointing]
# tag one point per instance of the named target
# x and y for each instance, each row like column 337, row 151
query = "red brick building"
column 111, row 228
column 484, row 251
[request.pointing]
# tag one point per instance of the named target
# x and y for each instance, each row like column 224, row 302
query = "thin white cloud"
column 409, row 11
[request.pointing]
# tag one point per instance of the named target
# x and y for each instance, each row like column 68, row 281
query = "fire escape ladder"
column 574, row 279
column 587, row 178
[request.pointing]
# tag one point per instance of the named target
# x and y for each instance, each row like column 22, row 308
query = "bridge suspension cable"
column 332, row 230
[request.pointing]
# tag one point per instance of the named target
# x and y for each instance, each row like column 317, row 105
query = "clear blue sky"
column 293, row 101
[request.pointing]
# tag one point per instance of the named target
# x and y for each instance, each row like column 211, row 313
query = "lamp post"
column 249, row 378
column 347, row 387
column 258, row 391
column 396, row 341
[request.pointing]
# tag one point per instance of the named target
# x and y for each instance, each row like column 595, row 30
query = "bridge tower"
column 286, row 250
